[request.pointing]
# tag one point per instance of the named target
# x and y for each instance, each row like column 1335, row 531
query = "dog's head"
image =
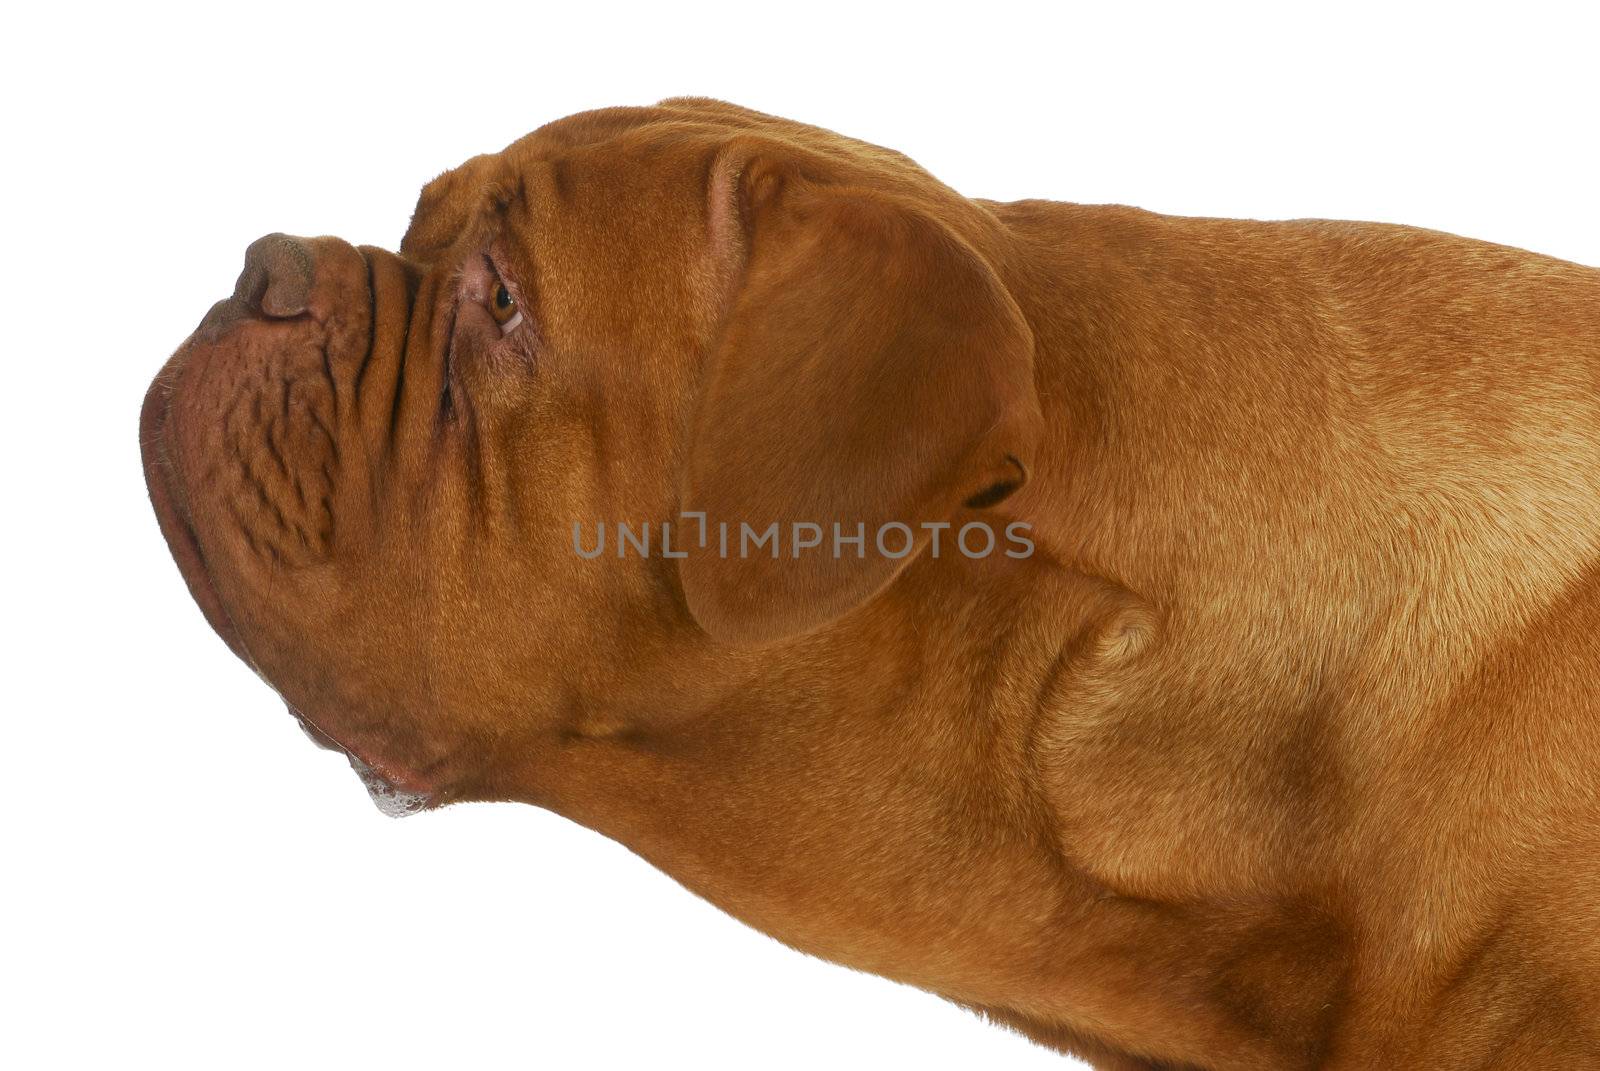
column 385, row 476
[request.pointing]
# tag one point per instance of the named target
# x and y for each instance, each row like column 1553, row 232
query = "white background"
column 187, row 881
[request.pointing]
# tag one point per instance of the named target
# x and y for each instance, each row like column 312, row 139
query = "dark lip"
column 155, row 452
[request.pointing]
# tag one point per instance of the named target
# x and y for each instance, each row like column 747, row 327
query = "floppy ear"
column 870, row 368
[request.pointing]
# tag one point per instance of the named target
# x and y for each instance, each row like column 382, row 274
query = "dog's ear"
column 869, row 370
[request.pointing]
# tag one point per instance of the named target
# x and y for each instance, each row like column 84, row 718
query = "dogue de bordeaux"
column 1176, row 639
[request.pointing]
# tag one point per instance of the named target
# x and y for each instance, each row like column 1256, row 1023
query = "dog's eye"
column 504, row 303
column 503, row 307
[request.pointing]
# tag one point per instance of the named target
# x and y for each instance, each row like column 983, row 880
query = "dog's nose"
column 277, row 275
column 275, row 283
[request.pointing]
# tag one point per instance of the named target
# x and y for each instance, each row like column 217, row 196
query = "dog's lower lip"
column 394, row 800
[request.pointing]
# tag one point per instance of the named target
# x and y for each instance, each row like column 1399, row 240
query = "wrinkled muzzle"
column 278, row 435
column 263, row 435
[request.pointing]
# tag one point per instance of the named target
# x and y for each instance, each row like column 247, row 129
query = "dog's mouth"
column 392, row 801
column 165, row 498
column 389, row 798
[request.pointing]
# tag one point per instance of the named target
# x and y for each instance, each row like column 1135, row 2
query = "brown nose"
column 276, row 280
column 275, row 283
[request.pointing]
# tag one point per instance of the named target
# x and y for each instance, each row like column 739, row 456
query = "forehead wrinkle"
column 515, row 208
column 517, row 216
column 487, row 219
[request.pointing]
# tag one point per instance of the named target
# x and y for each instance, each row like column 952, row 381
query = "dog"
column 1175, row 639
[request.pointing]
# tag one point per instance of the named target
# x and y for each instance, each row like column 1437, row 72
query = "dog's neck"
column 884, row 801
